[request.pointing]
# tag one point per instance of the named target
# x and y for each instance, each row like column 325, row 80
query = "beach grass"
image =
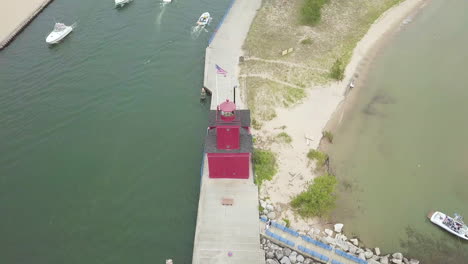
column 271, row 79
column 319, row 157
column 328, row 135
column 283, row 137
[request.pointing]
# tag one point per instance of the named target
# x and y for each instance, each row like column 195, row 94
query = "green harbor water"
column 101, row 136
column 402, row 150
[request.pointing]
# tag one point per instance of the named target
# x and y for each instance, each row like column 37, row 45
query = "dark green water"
column 402, row 150
column 101, row 136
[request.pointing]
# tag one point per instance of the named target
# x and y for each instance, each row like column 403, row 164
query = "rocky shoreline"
column 276, row 254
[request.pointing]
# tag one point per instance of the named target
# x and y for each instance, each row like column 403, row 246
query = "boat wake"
column 196, row 31
column 161, row 13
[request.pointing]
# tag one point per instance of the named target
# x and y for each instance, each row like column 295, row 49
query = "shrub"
column 283, row 137
column 328, row 135
column 265, row 165
column 288, row 223
column 256, row 124
column 337, row 70
column 306, row 41
column 320, row 157
column 318, row 199
column 311, row 11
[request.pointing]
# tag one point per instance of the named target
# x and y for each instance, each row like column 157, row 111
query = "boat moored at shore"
column 453, row 225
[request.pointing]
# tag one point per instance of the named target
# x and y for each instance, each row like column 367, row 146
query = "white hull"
column 204, row 19
column 56, row 37
column 438, row 219
column 120, row 3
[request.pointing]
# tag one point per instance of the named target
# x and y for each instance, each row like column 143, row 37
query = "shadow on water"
column 430, row 249
column 379, row 99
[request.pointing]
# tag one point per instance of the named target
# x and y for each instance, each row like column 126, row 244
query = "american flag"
column 220, row 70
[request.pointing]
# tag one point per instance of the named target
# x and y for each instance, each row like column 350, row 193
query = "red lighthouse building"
column 228, row 143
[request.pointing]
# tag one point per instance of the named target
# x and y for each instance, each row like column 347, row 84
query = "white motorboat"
column 453, row 225
column 60, row 31
column 167, row 1
column 120, row 3
column 204, row 19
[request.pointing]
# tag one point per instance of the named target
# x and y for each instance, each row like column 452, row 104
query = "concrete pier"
column 227, row 230
column 16, row 15
column 224, row 50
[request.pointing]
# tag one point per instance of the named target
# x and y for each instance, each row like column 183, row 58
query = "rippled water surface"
column 101, row 136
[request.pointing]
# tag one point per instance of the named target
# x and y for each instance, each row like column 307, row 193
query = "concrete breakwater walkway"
column 227, row 229
column 16, row 15
column 224, row 50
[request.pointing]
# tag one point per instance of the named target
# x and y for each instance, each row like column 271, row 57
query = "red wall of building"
column 228, row 137
column 229, row 165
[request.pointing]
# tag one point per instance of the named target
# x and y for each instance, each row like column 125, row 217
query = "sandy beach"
column 306, row 121
column 14, row 15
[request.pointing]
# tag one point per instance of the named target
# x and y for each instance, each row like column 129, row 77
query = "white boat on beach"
column 120, row 3
column 60, row 31
column 453, row 225
column 204, row 19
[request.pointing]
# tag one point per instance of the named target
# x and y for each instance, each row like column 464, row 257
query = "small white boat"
column 167, row 1
column 120, row 3
column 60, row 31
column 204, row 19
column 453, row 225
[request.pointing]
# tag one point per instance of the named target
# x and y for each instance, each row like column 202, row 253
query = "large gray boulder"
column 343, row 246
column 308, row 261
column 354, row 241
column 286, row 252
column 272, row 261
column 271, row 215
column 269, row 207
column 279, row 254
column 377, row 251
column 397, row 261
column 270, row 254
column 352, row 248
column 362, row 256
column 371, row 261
column 338, row 228
column 300, row 258
column 398, row 255
column 285, row 260
column 368, row 254
column 384, row 260
column 405, row 260
column 328, row 232
column 293, row 258
column 414, row 261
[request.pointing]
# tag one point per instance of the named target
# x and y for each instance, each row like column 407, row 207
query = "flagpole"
column 216, row 84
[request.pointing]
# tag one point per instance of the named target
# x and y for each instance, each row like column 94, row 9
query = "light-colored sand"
column 15, row 14
column 309, row 119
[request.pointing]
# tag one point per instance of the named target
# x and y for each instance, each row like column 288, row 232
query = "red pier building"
column 228, row 143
